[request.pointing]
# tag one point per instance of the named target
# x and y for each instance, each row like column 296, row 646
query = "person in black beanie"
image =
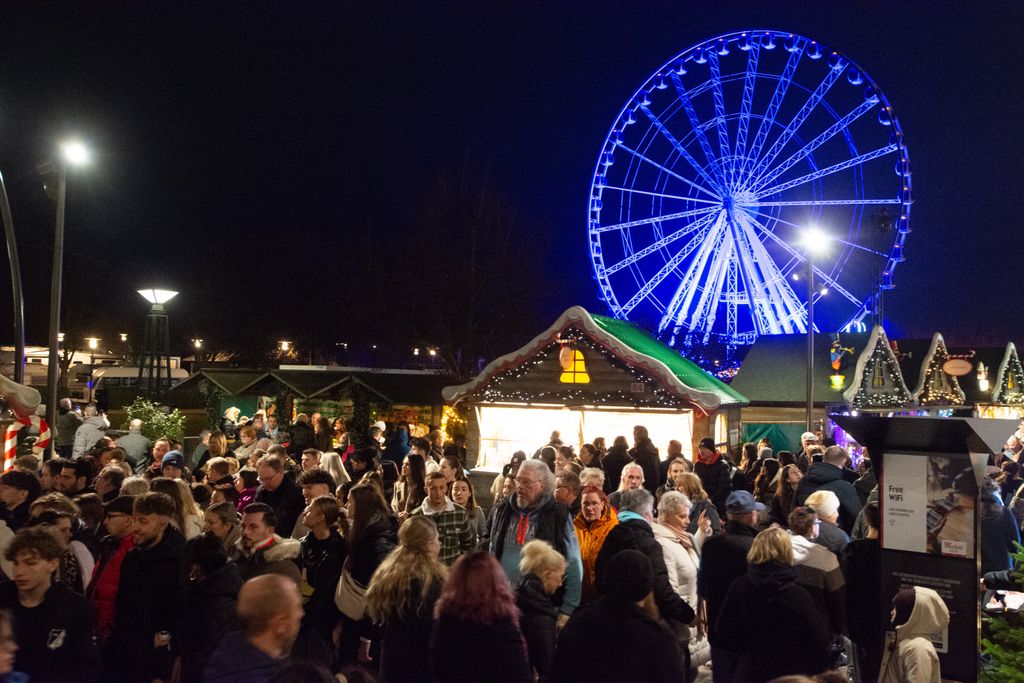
column 633, row 644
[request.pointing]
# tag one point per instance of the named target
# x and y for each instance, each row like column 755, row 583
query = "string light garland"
column 500, row 389
column 1010, row 380
column 939, row 388
column 880, row 383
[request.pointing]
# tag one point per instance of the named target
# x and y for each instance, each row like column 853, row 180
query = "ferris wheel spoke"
column 723, row 131
column 685, row 291
column 655, row 219
column 852, row 245
column 748, row 100
column 668, row 171
column 795, row 253
column 829, row 170
column 790, row 130
column 679, row 148
column 663, row 195
column 671, row 265
column 825, row 136
column 660, row 244
column 702, row 138
column 768, row 120
column 706, row 310
column 774, row 286
column 825, row 202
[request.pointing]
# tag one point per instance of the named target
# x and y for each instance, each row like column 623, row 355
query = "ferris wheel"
column 717, row 169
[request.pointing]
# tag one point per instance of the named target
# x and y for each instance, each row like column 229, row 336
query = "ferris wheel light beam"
column 753, row 52
column 653, row 283
column 829, row 170
column 685, row 291
column 656, row 246
column 790, row 130
column 640, row 156
column 679, row 148
column 723, row 133
column 781, row 297
column 814, row 144
column 702, row 138
column 656, row 219
column 705, row 312
column 765, row 125
column 826, row 202
column 717, row 204
column 852, row 245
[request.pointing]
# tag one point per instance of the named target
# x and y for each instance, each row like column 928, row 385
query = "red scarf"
column 708, row 459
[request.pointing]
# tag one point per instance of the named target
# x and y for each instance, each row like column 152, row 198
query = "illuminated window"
column 575, row 372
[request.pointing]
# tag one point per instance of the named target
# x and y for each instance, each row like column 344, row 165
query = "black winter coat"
column 207, row 613
column 821, row 476
column 148, row 597
column 379, row 539
column 287, row 502
column 863, row 571
column 300, row 437
column 645, row 454
column 466, row 652
column 636, row 534
column 538, row 616
column 614, row 461
column 614, row 640
column 772, row 623
column 405, row 642
column 716, row 480
column 723, row 559
column 322, row 561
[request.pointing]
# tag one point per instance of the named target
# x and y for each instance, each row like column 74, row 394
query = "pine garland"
column 1003, row 655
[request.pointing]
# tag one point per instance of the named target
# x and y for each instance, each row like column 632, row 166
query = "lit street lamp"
column 284, row 346
column 814, row 243
column 93, row 343
column 157, row 340
column 72, row 153
column 197, row 344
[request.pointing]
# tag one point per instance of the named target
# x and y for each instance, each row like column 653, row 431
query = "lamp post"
column 72, row 153
column 94, row 344
column 19, row 299
column 813, row 241
column 157, row 341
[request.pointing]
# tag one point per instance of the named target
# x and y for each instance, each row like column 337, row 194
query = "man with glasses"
column 533, row 513
column 113, row 547
column 279, row 492
column 567, row 491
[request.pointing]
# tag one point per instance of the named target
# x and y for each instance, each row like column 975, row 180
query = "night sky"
column 266, row 160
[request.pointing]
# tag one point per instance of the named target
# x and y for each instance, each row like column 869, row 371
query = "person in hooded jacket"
column 615, row 639
column 770, row 620
column 714, row 472
column 645, row 454
column 207, row 609
column 542, row 569
column 827, row 475
column 634, row 532
column 908, row 655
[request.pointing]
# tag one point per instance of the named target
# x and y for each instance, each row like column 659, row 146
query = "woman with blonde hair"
column 689, row 485
column 401, row 600
column 542, row 569
column 188, row 518
column 771, row 621
column 331, row 463
column 217, row 448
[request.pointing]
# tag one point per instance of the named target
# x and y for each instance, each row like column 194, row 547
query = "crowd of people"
column 263, row 557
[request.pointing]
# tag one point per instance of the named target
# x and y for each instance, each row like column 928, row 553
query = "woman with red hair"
column 595, row 519
column 476, row 634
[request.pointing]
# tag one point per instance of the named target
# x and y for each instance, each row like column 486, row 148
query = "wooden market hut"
column 588, row 376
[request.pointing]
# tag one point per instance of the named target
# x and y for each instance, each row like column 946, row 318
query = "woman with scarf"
column 682, row 559
column 595, row 519
column 676, row 468
column 769, row 620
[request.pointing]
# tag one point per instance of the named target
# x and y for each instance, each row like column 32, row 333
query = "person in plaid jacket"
column 451, row 519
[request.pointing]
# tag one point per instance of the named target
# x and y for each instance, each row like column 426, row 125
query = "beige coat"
column 909, row 655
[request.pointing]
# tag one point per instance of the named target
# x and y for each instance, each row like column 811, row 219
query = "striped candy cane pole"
column 11, row 438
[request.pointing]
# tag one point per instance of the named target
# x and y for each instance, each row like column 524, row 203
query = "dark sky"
column 241, row 146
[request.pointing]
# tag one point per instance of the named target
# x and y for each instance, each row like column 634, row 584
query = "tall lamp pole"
column 73, row 153
column 19, row 299
column 814, row 243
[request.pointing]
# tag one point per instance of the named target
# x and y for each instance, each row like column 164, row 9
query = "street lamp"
column 93, row 343
column 284, row 346
column 72, row 153
column 814, row 242
column 197, row 344
column 157, row 339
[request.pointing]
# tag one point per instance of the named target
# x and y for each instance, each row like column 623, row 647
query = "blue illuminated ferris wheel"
column 716, row 169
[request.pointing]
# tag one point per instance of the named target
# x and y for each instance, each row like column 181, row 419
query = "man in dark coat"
column 613, row 639
column 280, row 492
column 54, row 627
column 645, row 454
column 724, row 559
column 301, row 436
column 863, row 569
column 714, row 472
column 148, row 595
column 828, row 476
column 633, row 532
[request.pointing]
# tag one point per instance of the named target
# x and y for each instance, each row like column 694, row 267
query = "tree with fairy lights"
column 1009, row 387
column 1002, row 659
column 878, row 382
column 936, row 387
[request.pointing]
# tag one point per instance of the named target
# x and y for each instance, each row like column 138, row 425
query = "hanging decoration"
column 1009, row 385
column 936, row 386
column 878, row 382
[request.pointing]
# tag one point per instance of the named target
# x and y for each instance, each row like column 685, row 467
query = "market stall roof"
column 231, row 381
column 628, row 344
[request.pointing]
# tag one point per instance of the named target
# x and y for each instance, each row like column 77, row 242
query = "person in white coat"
column 909, row 656
column 682, row 559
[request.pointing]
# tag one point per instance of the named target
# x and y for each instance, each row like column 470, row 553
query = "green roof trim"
column 688, row 372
